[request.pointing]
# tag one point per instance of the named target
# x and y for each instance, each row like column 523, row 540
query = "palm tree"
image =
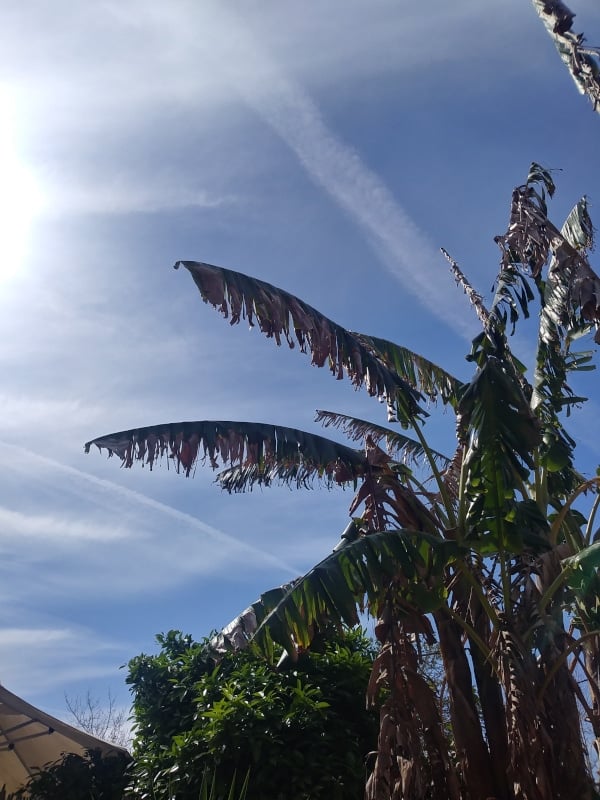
column 482, row 552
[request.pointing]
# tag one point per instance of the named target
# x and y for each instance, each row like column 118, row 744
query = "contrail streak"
column 132, row 496
column 337, row 168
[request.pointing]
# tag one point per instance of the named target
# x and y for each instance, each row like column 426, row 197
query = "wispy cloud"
column 133, row 550
column 331, row 163
column 404, row 249
column 122, row 192
column 47, row 528
column 35, row 659
column 205, row 79
column 70, row 537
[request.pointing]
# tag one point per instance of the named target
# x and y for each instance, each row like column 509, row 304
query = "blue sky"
column 330, row 149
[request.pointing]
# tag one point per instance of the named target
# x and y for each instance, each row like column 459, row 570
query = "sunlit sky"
column 328, row 148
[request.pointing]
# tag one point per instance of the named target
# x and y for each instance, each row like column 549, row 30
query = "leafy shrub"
column 301, row 731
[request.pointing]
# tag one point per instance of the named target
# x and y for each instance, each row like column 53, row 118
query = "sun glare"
column 20, row 197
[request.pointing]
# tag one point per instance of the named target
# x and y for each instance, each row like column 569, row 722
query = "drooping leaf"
column 402, row 447
column 541, row 175
column 259, row 451
column 571, row 294
column 561, row 321
column 356, row 576
column 526, row 242
column 423, row 375
column 578, row 228
column 238, row 634
column 281, row 315
column 582, row 62
column 530, row 240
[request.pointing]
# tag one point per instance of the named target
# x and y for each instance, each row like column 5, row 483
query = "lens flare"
column 20, row 197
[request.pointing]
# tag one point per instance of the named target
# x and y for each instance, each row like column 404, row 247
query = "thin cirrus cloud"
column 138, row 523
column 125, row 192
column 239, row 64
column 34, row 659
column 334, row 166
column 56, row 529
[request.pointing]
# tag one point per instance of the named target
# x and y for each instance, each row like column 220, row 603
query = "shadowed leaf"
column 422, row 374
column 403, row 448
column 260, row 452
column 280, row 315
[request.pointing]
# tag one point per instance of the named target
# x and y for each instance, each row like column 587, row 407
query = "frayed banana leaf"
column 526, row 244
column 578, row 229
column 258, row 450
column 403, row 448
column 570, row 284
column 543, row 177
column 572, row 297
column 281, row 315
column 238, row 634
column 355, row 577
column 422, row 374
column 582, row 62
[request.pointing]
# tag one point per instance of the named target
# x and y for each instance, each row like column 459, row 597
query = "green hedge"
column 300, row 731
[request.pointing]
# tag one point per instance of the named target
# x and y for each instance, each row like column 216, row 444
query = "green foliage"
column 75, row 777
column 298, row 732
column 208, row 788
column 361, row 568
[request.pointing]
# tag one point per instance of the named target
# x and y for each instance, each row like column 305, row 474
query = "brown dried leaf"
column 282, row 315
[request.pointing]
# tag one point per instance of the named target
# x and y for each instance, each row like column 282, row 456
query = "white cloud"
column 405, row 250
column 28, row 637
column 37, row 659
column 185, row 58
column 57, row 529
column 332, row 164
column 122, row 191
column 22, row 411
column 134, row 552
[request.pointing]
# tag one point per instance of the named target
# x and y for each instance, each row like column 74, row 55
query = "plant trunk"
column 473, row 756
column 492, row 704
column 413, row 760
column 567, row 758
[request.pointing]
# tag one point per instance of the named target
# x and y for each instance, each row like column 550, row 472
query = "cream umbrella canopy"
column 31, row 739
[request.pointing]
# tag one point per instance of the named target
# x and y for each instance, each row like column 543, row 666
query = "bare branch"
column 104, row 721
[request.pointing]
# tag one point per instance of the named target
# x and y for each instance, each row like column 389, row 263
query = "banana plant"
column 582, row 61
column 484, row 551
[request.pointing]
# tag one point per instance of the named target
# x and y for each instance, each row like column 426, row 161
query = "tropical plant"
column 582, row 61
column 296, row 733
column 485, row 551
